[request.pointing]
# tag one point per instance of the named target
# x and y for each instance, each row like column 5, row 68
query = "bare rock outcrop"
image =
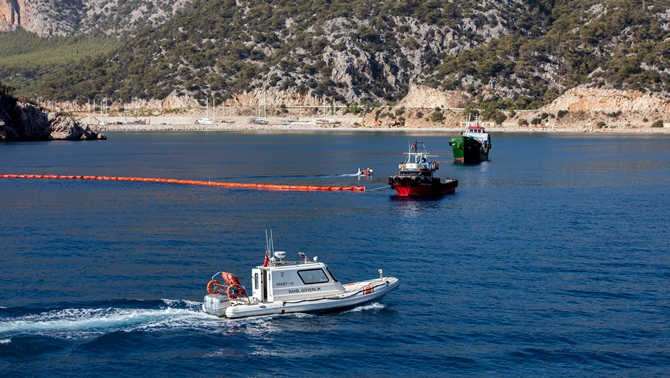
column 274, row 96
column 26, row 122
column 421, row 96
column 9, row 15
column 44, row 18
column 608, row 100
column 596, row 110
column 65, row 128
column 47, row 18
column 170, row 102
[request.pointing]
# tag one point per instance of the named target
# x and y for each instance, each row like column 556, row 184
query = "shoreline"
column 312, row 128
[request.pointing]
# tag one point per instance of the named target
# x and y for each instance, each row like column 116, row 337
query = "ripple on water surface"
column 550, row 259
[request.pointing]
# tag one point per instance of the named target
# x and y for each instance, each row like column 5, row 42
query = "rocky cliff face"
column 24, row 122
column 68, row 17
column 609, row 100
column 45, row 18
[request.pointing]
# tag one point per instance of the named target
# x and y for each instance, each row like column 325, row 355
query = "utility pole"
column 265, row 109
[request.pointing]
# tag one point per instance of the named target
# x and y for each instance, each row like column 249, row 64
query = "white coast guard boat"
column 280, row 286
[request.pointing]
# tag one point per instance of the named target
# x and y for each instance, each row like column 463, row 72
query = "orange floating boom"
column 297, row 188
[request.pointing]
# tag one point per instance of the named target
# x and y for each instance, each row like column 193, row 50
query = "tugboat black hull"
column 406, row 186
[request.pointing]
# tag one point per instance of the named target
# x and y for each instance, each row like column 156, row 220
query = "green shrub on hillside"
column 437, row 116
column 25, row 58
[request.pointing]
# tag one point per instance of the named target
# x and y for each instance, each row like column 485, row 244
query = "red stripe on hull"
column 424, row 189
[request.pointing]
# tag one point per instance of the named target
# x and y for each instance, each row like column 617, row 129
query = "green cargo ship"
column 472, row 145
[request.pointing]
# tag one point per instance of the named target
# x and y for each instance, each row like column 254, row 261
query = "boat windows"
column 313, row 276
column 331, row 274
column 256, row 286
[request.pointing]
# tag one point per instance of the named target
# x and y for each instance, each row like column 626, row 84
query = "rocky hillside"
column 70, row 17
column 340, row 50
column 498, row 55
column 505, row 54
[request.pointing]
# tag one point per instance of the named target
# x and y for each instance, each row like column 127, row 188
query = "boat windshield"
column 313, row 276
column 331, row 274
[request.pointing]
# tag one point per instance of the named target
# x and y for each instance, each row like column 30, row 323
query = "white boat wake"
column 91, row 322
column 83, row 323
column 371, row 306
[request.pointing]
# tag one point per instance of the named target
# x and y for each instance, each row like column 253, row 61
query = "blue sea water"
column 552, row 259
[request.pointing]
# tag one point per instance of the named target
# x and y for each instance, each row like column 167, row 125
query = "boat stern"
column 215, row 304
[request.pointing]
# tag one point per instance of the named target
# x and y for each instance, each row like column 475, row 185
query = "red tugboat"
column 415, row 175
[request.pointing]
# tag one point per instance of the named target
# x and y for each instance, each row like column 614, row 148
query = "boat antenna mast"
column 269, row 243
column 269, row 248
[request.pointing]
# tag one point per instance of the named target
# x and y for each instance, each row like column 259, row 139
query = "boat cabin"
column 417, row 163
column 293, row 280
column 475, row 129
column 425, row 168
column 477, row 132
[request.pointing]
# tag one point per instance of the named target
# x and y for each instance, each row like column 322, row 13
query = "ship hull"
column 468, row 150
column 355, row 294
column 426, row 188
